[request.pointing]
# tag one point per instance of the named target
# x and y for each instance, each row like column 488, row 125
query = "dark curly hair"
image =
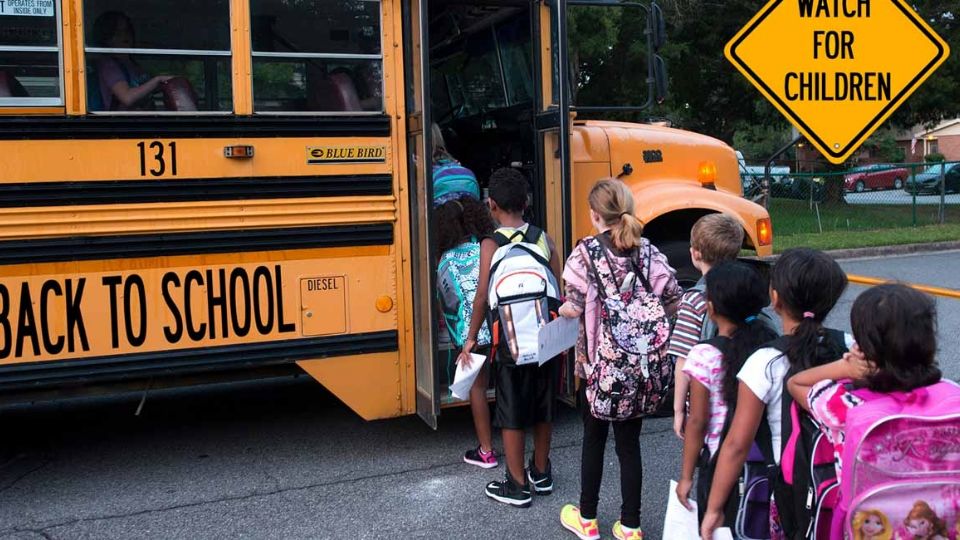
column 896, row 328
column 738, row 293
column 508, row 188
column 456, row 221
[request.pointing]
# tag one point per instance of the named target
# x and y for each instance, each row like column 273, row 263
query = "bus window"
column 514, row 40
column 610, row 66
column 30, row 64
column 321, row 57
column 152, row 56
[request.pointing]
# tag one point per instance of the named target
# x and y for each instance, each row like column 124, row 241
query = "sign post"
column 837, row 69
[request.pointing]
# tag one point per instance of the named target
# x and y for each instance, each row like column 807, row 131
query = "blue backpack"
column 457, row 276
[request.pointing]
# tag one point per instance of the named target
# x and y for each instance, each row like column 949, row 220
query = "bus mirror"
column 658, row 27
column 660, row 78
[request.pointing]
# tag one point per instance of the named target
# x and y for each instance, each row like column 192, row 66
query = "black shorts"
column 526, row 395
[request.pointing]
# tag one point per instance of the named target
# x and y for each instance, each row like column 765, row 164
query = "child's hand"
column 569, row 311
column 712, row 520
column 683, row 492
column 679, row 419
column 464, row 358
column 857, row 364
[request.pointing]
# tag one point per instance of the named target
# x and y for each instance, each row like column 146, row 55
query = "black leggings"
column 626, row 434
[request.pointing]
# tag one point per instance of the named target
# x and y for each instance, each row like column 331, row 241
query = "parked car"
column 754, row 173
column 928, row 181
column 875, row 176
column 801, row 187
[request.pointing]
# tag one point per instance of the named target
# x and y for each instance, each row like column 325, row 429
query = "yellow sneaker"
column 585, row 529
column 625, row 533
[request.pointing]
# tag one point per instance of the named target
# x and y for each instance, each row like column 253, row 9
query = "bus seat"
column 335, row 92
column 10, row 86
column 178, row 95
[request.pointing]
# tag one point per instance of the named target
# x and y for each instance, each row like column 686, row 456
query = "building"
column 943, row 138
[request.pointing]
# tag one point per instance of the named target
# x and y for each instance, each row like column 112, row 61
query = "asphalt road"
column 285, row 460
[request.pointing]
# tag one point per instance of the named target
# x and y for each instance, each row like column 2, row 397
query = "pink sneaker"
column 480, row 458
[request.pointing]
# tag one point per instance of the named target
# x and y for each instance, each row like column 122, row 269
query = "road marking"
column 929, row 289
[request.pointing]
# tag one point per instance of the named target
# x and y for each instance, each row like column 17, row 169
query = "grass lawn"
column 851, row 226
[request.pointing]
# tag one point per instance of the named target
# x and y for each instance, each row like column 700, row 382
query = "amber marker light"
column 238, row 151
column 384, row 303
column 764, row 232
column 707, row 173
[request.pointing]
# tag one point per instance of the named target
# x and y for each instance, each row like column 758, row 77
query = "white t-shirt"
column 764, row 373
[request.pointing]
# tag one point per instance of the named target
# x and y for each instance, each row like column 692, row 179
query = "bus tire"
column 678, row 253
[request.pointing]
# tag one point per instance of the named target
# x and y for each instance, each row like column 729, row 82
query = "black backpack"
column 799, row 485
column 747, row 509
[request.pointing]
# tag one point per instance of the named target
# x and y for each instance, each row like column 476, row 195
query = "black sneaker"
column 508, row 492
column 542, row 483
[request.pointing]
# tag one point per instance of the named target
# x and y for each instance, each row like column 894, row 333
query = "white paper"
column 679, row 522
column 556, row 337
column 464, row 377
column 723, row 533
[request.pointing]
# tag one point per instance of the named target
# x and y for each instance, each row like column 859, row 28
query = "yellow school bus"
column 233, row 189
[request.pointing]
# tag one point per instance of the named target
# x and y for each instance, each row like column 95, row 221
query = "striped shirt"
column 690, row 320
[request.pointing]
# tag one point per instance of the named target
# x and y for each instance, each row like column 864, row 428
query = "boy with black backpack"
column 518, row 280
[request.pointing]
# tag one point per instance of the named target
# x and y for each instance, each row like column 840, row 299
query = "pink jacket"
column 581, row 288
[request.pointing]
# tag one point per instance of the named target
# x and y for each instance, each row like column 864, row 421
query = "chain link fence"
column 845, row 203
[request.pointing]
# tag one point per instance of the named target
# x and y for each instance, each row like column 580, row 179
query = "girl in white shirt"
column 805, row 284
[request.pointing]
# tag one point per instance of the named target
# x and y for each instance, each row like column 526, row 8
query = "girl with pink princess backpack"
column 894, row 423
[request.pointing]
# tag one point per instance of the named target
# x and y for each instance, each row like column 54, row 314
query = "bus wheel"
column 678, row 253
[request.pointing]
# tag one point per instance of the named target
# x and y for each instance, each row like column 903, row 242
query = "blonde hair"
column 612, row 200
column 718, row 237
column 860, row 517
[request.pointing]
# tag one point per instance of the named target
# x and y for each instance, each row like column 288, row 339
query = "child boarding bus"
column 194, row 192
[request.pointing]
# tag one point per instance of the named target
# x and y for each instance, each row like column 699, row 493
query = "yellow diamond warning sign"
column 837, row 69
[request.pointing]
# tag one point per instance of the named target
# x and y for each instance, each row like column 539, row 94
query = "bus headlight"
column 764, row 232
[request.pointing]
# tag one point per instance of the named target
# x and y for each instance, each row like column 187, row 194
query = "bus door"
column 415, row 35
column 553, row 120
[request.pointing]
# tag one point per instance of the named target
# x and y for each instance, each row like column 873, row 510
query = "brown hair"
column 922, row 510
column 612, row 201
column 718, row 237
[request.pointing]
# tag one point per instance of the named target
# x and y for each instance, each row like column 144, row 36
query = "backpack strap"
column 502, row 239
column 533, row 234
column 644, row 280
column 595, row 250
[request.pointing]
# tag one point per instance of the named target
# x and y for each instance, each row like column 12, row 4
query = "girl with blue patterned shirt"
column 462, row 222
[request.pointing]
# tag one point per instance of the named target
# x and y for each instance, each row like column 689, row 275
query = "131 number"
column 159, row 159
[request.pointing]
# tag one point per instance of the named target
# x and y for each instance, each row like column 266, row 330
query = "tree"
column 883, row 146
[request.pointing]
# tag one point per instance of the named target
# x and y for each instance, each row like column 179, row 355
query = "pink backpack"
column 901, row 466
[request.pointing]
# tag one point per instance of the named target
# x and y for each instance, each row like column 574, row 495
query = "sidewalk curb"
column 903, row 249
column 885, row 251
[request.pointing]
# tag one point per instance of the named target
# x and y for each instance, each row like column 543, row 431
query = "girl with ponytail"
column 805, row 284
column 626, row 253
column 736, row 294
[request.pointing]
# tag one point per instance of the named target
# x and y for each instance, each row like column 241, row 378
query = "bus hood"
column 654, row 153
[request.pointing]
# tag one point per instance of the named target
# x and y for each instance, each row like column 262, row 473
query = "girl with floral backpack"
column 625, row 294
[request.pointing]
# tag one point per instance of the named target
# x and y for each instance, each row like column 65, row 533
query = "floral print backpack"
column 631, row 374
